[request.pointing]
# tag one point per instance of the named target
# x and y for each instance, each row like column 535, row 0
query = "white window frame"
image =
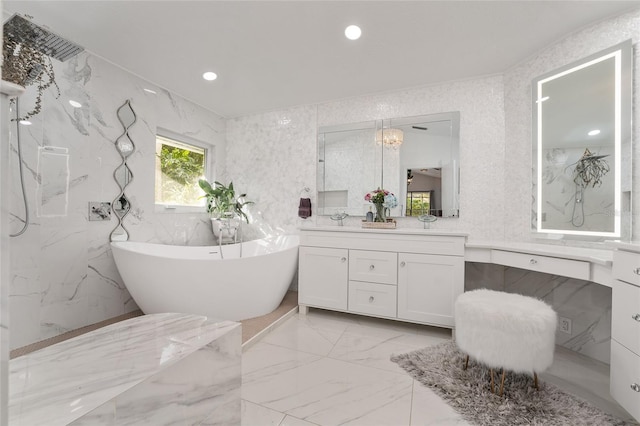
column 209, row 165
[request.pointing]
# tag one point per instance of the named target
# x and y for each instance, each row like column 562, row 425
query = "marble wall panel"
column 586, row 304
column 62, row 275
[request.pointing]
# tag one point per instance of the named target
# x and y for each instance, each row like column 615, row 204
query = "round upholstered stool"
column 505, row 330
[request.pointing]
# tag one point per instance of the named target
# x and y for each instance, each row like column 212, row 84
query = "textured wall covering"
column 273, row 155
column 62, row 275
column 517, row 86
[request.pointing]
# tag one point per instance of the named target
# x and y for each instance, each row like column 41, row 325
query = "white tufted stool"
column 505, row 330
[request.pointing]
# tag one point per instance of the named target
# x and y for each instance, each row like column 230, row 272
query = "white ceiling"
column 276, row 54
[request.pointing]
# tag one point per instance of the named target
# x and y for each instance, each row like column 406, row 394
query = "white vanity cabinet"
column 625, row 331
column 410, row 275
column 324, row 272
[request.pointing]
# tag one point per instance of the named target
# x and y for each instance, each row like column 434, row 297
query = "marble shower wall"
column 519, row 200
column 62, row 275
column 272, row 156
column 586, row 304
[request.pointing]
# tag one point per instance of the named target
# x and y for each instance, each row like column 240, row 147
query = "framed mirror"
column 582, row 145
column 356, row 158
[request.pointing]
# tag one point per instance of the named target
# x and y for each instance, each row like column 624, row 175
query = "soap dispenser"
column 369, row 215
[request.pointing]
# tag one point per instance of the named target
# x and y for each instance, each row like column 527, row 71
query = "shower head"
column 23, row 30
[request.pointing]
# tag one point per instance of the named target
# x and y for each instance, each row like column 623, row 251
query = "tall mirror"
column 416, row 158
column 123, row 174
column 582, row 146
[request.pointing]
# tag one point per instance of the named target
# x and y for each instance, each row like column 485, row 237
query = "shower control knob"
column 372, row 267
column 635, row 387
column 344, row 259
column 533, row 261
column 636, row 317
column 403, row 264
column 371, row 299
column 636, row 271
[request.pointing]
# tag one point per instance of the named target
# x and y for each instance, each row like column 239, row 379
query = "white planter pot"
column 225, row 229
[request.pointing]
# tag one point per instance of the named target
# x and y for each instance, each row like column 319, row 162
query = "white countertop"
column 633, row 246
column 396, row 231
column 61, row 383
column 599, row 256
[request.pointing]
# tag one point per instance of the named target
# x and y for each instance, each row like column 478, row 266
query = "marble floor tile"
column 329, row 368
column 313, row 333
column 329, row 391
column 372, row 347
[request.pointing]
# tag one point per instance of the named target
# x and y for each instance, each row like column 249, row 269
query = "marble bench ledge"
column 154, row 369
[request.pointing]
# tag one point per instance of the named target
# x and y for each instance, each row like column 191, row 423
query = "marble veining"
column 161, row 369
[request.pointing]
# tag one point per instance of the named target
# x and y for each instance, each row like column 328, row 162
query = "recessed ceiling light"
column 209, row 75
column 353, row 32
column 75, row 104
column 153, row 92
column 26, row 122
column 594, row 132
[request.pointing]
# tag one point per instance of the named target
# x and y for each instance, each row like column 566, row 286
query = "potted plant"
column 225, row 209
column 25, row 63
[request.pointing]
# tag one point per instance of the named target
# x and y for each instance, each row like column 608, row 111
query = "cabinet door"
column 428, row 286
column 323, row 277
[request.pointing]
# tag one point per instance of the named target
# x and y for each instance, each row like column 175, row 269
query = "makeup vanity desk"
column 415, row 275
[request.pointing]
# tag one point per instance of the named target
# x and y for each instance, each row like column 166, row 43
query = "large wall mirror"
column 582, row 146
column 416, row 158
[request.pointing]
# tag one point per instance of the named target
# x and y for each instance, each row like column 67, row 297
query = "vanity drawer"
column 625, row 378
column 373, row 266
column 625, row 315
column 548, row 265
column 371, row 298
column 626, row 266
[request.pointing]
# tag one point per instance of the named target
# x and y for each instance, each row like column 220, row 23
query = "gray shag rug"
column 440, row 368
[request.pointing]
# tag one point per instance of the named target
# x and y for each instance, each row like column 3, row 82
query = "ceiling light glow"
column 353, row 32
column 210, row 76
column 594, row 132
column 75, row 104
column 26, row 122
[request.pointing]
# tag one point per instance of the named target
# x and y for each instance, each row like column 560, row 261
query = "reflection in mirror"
column 582, row 143
column 425, row 169
column 349, row 166
column 123, row 174
column 354, row 159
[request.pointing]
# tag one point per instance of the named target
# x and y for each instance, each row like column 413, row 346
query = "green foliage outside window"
column 180, row 171
column 418, row 203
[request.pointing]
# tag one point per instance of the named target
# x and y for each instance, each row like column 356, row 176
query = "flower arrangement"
column 382, row 196
column 383, row 200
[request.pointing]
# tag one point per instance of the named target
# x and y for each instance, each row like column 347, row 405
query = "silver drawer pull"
column 371, row 299
column 636, row 317
column 635, row 387
column 372, row 267
column 533, row 261
column 344, row 259
column 403, row 264
column 636, row 271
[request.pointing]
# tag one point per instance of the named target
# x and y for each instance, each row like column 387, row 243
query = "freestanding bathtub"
column 198, row 280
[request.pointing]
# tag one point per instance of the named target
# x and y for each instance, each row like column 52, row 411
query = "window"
column 418, row 203
column 179, row 166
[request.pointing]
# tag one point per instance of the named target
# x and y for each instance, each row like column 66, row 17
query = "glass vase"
column 380, row 213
